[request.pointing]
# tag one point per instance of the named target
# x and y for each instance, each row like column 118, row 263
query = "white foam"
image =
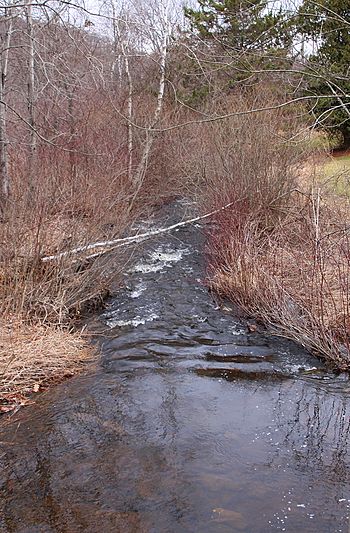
column 236, row 330
column 136, row 321
column 295, row 368
column 138, row 290
column 144, row 268
column 160, row 259
column 172, row 256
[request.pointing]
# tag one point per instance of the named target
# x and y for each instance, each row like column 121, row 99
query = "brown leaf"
column 36, row 387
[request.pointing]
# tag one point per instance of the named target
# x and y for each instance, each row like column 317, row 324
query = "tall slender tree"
column 31, row 95
column 7, row 21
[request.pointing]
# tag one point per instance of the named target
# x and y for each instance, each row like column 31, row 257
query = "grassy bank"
column 336, row 169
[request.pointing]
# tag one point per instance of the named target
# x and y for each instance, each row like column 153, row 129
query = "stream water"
column 189, row 423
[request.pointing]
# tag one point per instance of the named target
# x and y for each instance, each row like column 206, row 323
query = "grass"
column 335, row 170
column 33, row 356
column 337, row 165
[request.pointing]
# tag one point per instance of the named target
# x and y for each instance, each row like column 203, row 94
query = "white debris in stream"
column 160, row 259
column 136, row 321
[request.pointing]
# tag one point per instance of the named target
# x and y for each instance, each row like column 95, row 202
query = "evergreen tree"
column 326, row 24
column 242, row 25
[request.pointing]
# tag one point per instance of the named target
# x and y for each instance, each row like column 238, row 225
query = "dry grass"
column 34, row 356
column 282, row 252
column 294, row 277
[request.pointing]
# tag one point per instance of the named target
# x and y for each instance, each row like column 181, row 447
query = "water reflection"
column 179, row 453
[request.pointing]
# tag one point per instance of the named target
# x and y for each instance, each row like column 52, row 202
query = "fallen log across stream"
column 118, row 243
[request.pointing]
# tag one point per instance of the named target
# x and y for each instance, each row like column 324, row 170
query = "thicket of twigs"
column 73, row 172
column 281, row 252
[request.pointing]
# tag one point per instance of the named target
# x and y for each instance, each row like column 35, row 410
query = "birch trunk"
column 150, row 134
column 130, row 114
column 118, row 243
column 31, row 97
column 4, row 170
column 119, row 40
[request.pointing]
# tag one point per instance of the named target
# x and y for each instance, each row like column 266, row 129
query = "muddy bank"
column 189, row 423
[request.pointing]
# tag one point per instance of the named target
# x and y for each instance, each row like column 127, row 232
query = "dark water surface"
column 188, row 424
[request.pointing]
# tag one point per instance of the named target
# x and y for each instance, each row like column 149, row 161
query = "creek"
column 187, row 423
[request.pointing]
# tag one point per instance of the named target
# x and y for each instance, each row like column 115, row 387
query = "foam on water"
column 138, row 290
column 146, row 268
column 136, row 321
column 159, row 259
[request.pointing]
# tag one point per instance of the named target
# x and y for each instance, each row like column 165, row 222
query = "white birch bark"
column 31, row 96
column 130, row 115
column 134, row 239
column 150, row 133
column 123, row 54
column 4, row 170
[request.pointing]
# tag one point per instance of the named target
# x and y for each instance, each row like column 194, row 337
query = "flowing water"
column 189, row 423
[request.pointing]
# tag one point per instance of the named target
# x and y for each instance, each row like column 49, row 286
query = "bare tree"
column 121, row 46
column 31, row 95
column 157, row 35
column 4, row 170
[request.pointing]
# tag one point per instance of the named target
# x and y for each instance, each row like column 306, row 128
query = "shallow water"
column 189, row 422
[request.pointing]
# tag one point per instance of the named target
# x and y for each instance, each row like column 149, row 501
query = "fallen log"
column 117, row 243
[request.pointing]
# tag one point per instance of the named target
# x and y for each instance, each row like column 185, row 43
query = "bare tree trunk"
column 150, row 135
column 72, row 155
column 119, row 39
column 130, row 114
column 116, row 39
column 31, row 98
column 4, row 170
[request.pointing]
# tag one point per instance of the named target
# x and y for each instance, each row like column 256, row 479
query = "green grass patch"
column 336, row 170
column 337, row 165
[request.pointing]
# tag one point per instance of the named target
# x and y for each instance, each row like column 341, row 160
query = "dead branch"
column 116, row 243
